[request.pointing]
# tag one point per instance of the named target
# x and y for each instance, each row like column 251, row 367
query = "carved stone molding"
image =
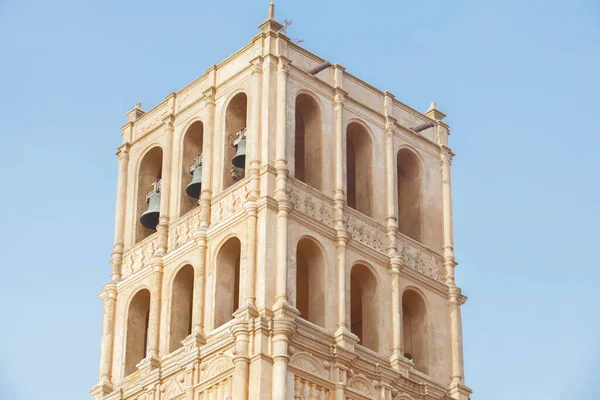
column 307, row 362
column 419, row 260
column 229, row 204
column 365, row 233
column 310, row 205
column 139, row 256
column 362, row 385
column 182, row 231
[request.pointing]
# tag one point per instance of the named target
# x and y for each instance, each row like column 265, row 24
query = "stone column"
column 155, row 304
column 392, row 232
column 454, row 294
column 241, row 360
column 197, row 337
column 339, row 204
column 108, row 322
column 207, row 153
column 163, row 221
column 283, row 328
column 251, row 205
column 281, row 185
column 116, row 258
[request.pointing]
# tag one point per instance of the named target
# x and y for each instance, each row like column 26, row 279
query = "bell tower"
column 283, row 230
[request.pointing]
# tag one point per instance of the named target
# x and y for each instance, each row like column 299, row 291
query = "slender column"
column 456, row 336
column 189, row 382
column 283, row 328
column 392, row 233
column 241, row 361
column 254, row 186
column 339, row 204
column 116, row 258
column 448, row 249
column 108, row 322
column 454, row 300
column 281, row 188
column 155, row 303
column 207, row 153
column 198, row 299
column 163, row 221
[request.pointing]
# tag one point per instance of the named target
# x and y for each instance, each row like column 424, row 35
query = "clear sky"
column 519, row 82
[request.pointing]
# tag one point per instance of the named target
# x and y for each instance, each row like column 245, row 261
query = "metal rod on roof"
column 422, row 127
column 319, row 68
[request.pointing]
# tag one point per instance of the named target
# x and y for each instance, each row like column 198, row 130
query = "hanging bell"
column 193, row 189
column 149, row 219
column 239, row 160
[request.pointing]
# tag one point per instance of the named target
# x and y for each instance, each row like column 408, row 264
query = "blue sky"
column 518, row 80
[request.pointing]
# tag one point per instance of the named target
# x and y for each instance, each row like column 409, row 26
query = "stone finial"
column 270, row 24
column 135, row 113
column 434, row 113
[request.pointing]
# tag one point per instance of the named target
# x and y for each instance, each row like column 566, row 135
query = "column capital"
column 256, row 65
column 123, row 151
column 283, row 64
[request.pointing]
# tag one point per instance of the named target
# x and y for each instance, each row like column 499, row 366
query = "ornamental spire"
column 270, row 23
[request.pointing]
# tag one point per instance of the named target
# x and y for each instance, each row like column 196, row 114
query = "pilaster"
column 116, row 258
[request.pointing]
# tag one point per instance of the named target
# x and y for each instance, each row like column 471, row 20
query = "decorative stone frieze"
column 229, row 203
column 138, row 257
column 183, row 229
column 426, row 263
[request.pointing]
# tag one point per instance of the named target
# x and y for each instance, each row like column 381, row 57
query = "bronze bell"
column 195, row 186
column 239, row 160
column 149, row 219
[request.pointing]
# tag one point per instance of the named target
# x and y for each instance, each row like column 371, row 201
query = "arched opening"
column 227, row 290
column 137, row 330
column 409, row 194
column 308, row 145
column 182, row 295
column 415, row 330
column 148, row 174
column 364, row 312
column 235, row 125
column 192, row 149
column 359, row 169
column 310, row 282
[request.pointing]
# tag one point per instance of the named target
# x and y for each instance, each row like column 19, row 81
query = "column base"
column 101, row 389
column 193, row 341
column 345, row 339
column 148, row 364
column 401, row 363
column 459, row 391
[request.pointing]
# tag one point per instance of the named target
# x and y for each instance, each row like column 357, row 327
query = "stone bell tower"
column 283, row 230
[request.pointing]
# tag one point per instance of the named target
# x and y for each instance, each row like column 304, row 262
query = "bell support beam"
column 116, row 258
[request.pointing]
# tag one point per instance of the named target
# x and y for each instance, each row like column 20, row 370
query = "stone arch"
column 362, row 385
column 182, row 295
column 191, row 147
column 236, row 119
column 136, row 341
column 310, row 280
column 227, row 281
column 364, row 300
column 172, row 389
column 308, row 148
column 307, row 362
column 415, row 329
column 149, row 171
column 410, row 193
column 359, row 167
column 403, row 396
